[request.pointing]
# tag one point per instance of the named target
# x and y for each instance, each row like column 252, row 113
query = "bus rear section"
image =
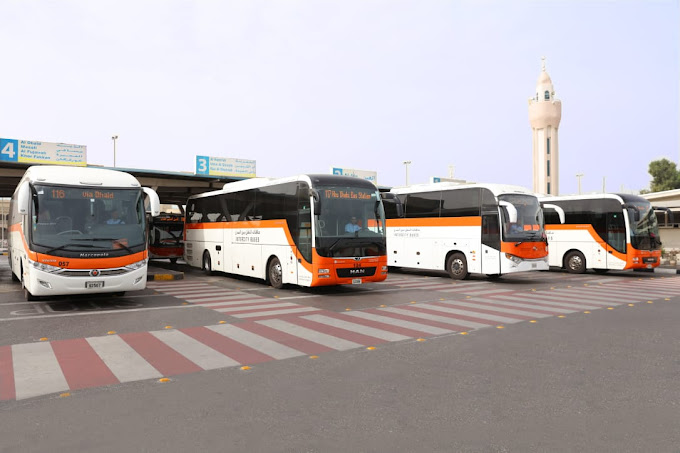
column 78, row 231
column 473, row 228
column 290, row 231
column 602, row 232
column 166, row 239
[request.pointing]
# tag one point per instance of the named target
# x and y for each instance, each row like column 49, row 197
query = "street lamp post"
column 406, row 164
column 579, row 176
column 114, row 138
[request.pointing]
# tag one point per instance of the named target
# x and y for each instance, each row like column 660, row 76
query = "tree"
column 665, row 175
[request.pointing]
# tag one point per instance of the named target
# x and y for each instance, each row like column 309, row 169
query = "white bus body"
column 466, row 228
column 601, row 232
column 65, row 237
column 289, row 230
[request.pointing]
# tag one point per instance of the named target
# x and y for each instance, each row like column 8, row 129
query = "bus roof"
column 621, row 198
column 496, row 189
column 312, row 179
column 73, row 176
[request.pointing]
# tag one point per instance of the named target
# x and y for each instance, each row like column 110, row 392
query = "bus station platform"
column 156, row 271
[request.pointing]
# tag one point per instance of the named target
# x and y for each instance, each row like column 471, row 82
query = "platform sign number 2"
column 9, row 150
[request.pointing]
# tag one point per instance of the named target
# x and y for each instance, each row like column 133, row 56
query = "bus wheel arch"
column 456, row 265
column 574, row 262
column 206, row 263
column 11, row 267
column 27, row 294
column 274, row 272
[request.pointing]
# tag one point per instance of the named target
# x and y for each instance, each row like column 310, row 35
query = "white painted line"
column 123, row 361
column 36, row 370
column 525, row 305
column 255, row 307
column 276, row 312
column 202, row 355
column 399, row 322
column 198, row 300
column 455, row 311
column 358, row 328
column 314, row 336
column 431, row 317
column 245, row 303
column 259, row 343
column 569, row 298
column 551, row 302
column 498, row 309
column 103, row 312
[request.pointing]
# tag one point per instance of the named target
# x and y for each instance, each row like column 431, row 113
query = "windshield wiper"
column 63, row 246
column 114, row 240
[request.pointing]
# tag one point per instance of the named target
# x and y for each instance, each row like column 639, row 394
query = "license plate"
column 356, row 281
column 92, row 285
column 533, row 265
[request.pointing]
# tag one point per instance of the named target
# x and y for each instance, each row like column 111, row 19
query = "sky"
column 301, row 86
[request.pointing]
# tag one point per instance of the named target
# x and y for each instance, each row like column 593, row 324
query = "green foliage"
column 665, row 175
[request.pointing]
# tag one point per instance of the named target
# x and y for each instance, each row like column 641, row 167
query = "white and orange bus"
column 77, row 230
column 289, row 230
column 465, row 228
column 601, row 232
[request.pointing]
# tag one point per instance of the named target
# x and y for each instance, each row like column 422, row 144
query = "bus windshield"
column 644, row 228
column 350, row 222
column 87, row 219
column 529, row 225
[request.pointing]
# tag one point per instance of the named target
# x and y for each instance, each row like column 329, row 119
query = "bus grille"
column 356, row 272
column 86, row 272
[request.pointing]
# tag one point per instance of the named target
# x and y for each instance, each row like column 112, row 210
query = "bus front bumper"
column 41, row 283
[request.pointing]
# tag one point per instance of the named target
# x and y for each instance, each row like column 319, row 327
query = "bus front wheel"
column 456, row 266
column 275, row 273
column 575, row 262
column 207, row 264
column 27, row 294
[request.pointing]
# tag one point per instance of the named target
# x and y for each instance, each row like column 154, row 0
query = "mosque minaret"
column 545, row 112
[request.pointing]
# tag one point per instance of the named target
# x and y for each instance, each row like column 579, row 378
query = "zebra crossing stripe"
column 289, row 311
column 237, row 298
column 198, row 353
column 329, row 341
column 525, row 314
column 160, row 355
column 482, row 315
column 443, row 319
column 231, row 348
column 353, row 327
column 629, row 292
column 36, row 370
column 569, row 299
column 81, row 365
column 256, row 306
column 417, row 327
column 6, row 374
column 575, row 306
column 300, row 344
column 123, row 361
column 588, row 297
column 273, row 349
column 534, row 306
column 235, row 303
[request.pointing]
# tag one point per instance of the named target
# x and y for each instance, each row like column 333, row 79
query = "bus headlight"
column 44, row 267
column 135, row 266
column 513, row 258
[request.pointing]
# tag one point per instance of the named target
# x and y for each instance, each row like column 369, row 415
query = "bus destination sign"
column 37, row 152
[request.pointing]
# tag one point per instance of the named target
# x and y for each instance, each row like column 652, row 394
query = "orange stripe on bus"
column 626, row 257
column 435, row 222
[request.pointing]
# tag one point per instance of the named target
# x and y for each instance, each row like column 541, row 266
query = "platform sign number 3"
column 202, row 165
column 9, row 150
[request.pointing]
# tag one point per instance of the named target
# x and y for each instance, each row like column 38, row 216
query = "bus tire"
column 493, row 276
column 575, row 262
column 207, row 263
column 11, row 268
column 173, row 260
column 601, row 271
column 275, row 273
column 27, row 294
column 456, row 266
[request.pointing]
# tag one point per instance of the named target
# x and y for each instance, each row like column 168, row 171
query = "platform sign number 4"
column 9, row 150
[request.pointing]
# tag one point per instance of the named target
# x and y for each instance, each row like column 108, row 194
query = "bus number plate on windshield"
column 93, row 285
column 356, row 281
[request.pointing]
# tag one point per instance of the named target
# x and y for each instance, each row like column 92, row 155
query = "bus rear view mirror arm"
column 560, row 211
column 154, row 202
column 512, row 210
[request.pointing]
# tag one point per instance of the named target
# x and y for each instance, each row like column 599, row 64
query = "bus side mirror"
column 512, row 210
column 154, row 202
column 392, row 199
column 23, row 198
column 634, row 215
column 560, row 211
column 316, row 200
